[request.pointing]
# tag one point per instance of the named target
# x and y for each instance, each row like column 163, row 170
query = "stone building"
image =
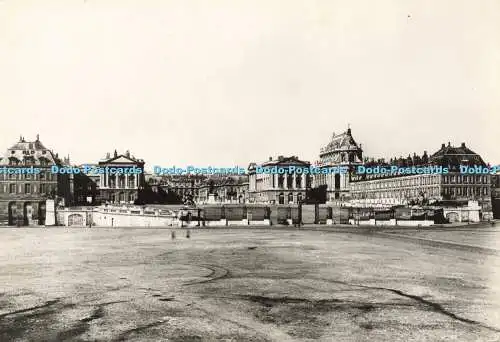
column 23, row 193
column 276, row 188
column 224, row 188
column 86, row 187
column 341, row 151
column 120, row 188
column 452, row 187
column 495, row 194
column 184, row 186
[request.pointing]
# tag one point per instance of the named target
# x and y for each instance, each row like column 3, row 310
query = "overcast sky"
column 226, row 83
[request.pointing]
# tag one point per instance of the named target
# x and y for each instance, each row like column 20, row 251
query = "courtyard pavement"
column 125, row 284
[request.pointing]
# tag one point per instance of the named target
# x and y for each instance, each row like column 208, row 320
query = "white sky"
column 230, row 82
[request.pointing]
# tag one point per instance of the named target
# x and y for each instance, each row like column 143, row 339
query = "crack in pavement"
column 47, row 304
column 436, row 307
column 123, row 335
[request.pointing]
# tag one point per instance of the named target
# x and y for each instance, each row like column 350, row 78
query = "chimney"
column 115, row 154
column 442, row 145
column 463, row 144
column 127, row 154
column 108, row 155
column 270, row 158
column 38, row 137
column 449, row 144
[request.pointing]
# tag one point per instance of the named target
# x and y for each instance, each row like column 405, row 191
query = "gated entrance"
column 75, row 220
column 309, row 213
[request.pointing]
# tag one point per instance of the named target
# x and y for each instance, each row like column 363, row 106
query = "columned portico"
column 125, row 187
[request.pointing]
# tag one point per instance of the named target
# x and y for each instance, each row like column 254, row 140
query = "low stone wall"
column 138, row 216
column 393, row 222
column 251, row 215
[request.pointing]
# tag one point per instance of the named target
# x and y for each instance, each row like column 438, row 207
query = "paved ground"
column 248, row 285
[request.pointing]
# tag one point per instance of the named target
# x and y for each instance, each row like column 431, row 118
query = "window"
column 27, row 188
column 42, row 188
column 12, row 188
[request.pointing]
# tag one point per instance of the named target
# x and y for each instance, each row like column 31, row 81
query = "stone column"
column 285, row 181
column 294, row 181
column 275, row 181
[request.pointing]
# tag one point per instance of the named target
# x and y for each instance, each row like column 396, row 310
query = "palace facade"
column 121, row 188
column 225, row 189
column 198, row 188
column 341, row 151
column 495, row 194
column 452, row 187
column 275, row 188
column 23, row 194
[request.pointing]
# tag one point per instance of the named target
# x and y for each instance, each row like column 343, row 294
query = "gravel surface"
column 101, row 284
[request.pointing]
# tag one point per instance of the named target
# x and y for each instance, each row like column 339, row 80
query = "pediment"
column 121, row 160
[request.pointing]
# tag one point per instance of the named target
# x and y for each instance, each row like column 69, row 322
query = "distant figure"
column 173, row 234
column 188, row 234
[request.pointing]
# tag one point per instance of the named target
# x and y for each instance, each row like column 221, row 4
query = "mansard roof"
column 456, row 155
column 32, row 150
column 339, row 142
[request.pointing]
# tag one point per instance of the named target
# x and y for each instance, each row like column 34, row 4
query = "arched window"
column 281, row 198
column 290, row 197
